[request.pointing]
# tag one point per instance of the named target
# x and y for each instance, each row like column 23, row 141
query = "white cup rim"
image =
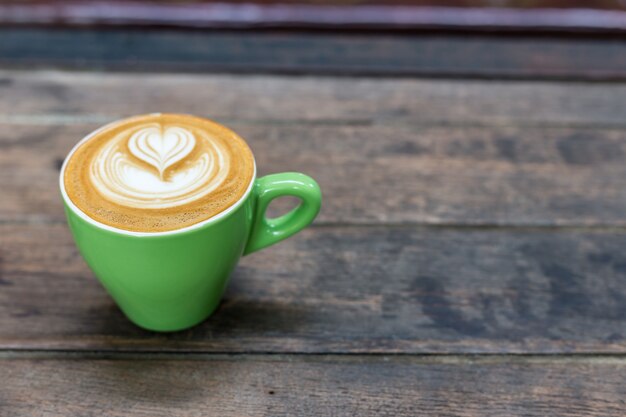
column 219, row 216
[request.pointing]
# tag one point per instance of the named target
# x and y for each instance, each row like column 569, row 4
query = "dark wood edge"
column 250, row 15
column 477, row 57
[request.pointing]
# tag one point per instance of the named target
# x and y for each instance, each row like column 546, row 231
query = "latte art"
column 119, row 174
column 158, row 172
column 160, row 147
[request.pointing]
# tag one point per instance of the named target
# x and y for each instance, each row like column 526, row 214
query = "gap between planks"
column 101, row 119
column 479, row 227
column 413, row 358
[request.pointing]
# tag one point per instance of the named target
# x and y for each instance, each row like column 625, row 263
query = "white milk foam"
column 142, row 171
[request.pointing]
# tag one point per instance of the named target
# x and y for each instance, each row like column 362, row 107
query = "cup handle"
column 266, row 232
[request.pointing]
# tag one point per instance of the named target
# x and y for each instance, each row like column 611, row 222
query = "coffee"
column 158, row 172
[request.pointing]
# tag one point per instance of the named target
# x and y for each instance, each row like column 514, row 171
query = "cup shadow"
column 237, row 316
column 162, row 370
column 142, row 360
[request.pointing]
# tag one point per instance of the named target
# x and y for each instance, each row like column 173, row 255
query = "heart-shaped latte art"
column 145, row 169
column 161, row 148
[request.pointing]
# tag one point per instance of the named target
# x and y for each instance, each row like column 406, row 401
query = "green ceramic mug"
column 168, row 281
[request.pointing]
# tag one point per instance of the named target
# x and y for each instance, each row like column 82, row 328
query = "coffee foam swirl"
column 158, row 172
column 161, row 147
column 119, row 175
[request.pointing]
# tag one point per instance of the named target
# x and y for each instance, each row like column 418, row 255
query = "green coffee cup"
column 173, row 280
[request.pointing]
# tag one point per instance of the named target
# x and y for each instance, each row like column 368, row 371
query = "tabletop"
column 468, row 259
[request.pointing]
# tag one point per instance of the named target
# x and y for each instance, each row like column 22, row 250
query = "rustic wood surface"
column 465, row 56
column 344, row 290
column 554, row 16
column 388, row 174
column 66, row 98
column 277, row 385
column 401, row 152
column 469, row 258
column 518, row 4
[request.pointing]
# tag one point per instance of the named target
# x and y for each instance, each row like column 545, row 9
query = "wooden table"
column 469, row 259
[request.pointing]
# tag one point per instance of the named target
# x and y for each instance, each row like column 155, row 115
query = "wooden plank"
column 379, row 289
column 537, row 16
column 289, row 386
column 386, row 174
column 518, row 4
column 306, row 53
column 51, row 97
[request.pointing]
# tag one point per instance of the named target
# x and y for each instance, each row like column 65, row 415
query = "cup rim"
column 219, row 216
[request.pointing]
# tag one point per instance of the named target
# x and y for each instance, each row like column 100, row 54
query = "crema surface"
column 158, row 172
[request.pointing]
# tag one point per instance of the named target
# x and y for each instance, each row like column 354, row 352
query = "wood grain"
column 521, row 4
column 55, row 98
column 386, row 174
column 345, row 289
column 438, row 258
column 330, row 386
column 306, row 53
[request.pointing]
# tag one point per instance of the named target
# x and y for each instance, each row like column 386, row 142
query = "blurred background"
column 555, row 15
column 414, row 37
